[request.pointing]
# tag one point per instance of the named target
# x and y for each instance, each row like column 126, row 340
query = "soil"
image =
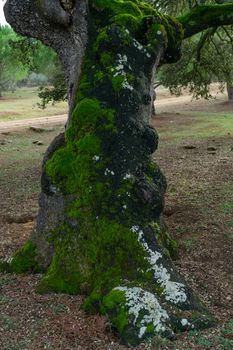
column 198, row 212
column 6, row 126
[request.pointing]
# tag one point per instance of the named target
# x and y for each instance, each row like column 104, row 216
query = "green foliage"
column 206, row 58
column 11, row 68
column 22, row 57
column 56, row 91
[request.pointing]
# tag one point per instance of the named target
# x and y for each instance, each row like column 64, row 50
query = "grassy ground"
column 23, row 103
column 196, row 154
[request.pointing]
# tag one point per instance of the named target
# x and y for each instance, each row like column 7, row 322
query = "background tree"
column 206, row 58
column 11, row 68
column 26, row 61
column 99, row 231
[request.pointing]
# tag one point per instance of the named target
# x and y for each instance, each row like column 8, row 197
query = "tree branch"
column 205, row 38
column 206, row 16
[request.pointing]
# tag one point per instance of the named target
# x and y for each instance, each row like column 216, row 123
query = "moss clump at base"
column 23, row 261
column 104, row 253
column 114, row 304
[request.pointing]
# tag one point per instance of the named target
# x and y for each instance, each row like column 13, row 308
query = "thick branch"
column 206, row 16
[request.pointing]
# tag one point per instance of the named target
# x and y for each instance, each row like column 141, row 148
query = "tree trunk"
column 99, row 231
column 230, row 92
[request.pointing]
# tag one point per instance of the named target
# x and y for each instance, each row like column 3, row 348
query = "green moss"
column 105, row 252
column 117, row 82
column 102, row 38
column 126, row 20
column 117, row 6
column 98, row 76
column 65, row 274
column 23, row 261
column 206, row 14
column 165, row 240
column 150, row 329
column 114, row 304
column 95, row 250
column 106, row 59
column 72, row 166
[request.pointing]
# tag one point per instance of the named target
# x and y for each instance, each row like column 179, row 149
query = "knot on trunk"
column 67, row 4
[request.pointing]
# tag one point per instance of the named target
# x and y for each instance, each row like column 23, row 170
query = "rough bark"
column 62, row 25
column 99, row 231
column 230, row 92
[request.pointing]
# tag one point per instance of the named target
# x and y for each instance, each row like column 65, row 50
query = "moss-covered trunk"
column 99, row 230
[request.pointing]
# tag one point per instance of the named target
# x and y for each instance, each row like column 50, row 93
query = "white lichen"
column 144, row 309
column 108, row 171
column 127, row 176
column 120, row 70
column 96, row 158
column 173, row 291
column 185, row 322
column 53, row 189
column 141, row 48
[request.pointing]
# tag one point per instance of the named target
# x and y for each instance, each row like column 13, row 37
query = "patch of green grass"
column 228, row 329
column 8, row 323
column 59, row 308
column 223, row 341
column 18, row 344
column 204, row 342
column 23, row 103
column 4, row 299
column 202, row 125
column 228, row 207
column 188, row 244
column 158, row 343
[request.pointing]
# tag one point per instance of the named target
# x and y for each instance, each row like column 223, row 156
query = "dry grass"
column 23, row 104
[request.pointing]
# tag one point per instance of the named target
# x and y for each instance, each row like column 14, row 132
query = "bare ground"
column 11, row 125
column 199, row 208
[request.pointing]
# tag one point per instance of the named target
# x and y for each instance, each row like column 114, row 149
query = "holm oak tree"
column 99, row 230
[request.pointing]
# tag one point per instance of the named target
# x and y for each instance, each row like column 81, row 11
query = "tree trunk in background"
column 99, row 231
column 230, row 92
column 153, row 114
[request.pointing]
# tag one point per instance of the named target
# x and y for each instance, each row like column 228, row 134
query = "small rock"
column 38, row 143
column 6, row 133
column 211, row 148
column 40, row 130
column 190, row 147
column 212, row 152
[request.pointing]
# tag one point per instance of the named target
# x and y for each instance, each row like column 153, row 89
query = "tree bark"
column 230, row 92
column 99, row 230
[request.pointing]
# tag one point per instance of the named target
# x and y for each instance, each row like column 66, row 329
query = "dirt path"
column 12, row 125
